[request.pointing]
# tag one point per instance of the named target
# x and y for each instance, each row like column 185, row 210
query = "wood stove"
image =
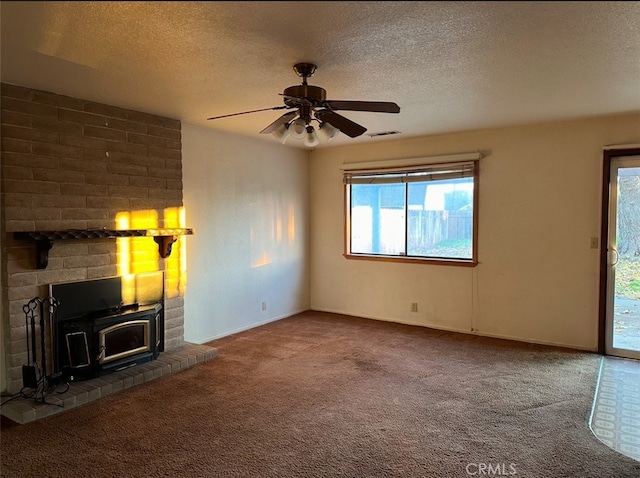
column 95, row 345
column 98, row 332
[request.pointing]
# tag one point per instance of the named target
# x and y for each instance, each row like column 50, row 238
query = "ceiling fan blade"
column 276, row 124
column 345, row 125
column 375, row 106
column 246, row 112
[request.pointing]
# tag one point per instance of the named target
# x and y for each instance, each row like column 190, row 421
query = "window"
column 425, row 212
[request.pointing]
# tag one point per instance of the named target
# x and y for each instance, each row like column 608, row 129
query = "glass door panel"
column 623, row 273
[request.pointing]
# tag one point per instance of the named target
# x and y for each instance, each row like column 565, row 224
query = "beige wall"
column 539, row 205
column 248, row 202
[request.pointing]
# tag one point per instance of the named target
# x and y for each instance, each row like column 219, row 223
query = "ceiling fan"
column 308, row 103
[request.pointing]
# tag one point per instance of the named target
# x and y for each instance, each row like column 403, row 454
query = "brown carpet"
column 325, row 395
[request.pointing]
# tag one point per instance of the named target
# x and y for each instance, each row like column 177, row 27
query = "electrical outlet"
column 264, row 305
column 414, row 307
column 594, row 243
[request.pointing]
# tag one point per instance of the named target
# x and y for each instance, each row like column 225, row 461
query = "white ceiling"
column 451, row 66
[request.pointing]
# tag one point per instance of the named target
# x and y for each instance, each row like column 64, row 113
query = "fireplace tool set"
column 40, row 377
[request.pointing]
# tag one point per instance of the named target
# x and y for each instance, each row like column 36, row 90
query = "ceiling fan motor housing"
column 313, row 94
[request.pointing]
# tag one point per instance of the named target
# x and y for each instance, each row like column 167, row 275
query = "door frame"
column 608, row 156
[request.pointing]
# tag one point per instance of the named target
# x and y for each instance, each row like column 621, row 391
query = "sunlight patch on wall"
column 292, row 224
column 263, row 260
column 261, row 232
column 272, row 230
column 176, row 263
column 137, row 255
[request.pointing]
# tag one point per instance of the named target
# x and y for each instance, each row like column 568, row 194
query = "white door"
column 622, row 337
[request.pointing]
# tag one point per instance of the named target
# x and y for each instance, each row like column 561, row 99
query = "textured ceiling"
column 451, row 66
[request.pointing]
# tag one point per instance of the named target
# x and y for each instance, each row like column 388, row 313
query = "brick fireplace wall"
column 68, row 163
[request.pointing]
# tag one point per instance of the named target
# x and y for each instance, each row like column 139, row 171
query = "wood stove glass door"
column 124, row 340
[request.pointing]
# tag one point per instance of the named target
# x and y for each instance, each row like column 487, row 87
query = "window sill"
column 413, row 260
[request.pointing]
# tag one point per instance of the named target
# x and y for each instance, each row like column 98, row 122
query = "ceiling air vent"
column 384, row 133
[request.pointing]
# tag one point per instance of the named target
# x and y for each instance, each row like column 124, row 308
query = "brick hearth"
column 23, row 410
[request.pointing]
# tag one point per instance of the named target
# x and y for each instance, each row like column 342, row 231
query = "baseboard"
column 539, row 342
column 248, row 327
column 466, row 331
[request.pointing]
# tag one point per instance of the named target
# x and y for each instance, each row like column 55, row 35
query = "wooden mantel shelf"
column 164, row 237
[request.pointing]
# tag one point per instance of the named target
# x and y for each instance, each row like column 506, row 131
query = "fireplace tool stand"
column 37, row 380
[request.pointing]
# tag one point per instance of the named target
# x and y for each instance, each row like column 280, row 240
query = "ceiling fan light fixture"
column 282, row 133
column 309, row 103
column 298, row 129
column 327, row 131
column 311, row 138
